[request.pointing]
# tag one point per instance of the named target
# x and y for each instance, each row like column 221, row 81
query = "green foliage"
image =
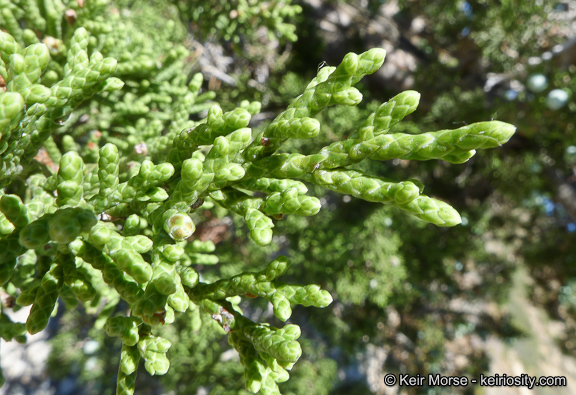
column 107, row 216
column 233, row 20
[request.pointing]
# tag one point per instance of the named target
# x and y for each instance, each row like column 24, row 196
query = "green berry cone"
column 179, row 226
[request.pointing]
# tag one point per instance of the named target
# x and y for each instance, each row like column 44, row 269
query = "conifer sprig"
column 110, row 211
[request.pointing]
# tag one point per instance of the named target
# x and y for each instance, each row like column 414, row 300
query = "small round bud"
column 179, row 226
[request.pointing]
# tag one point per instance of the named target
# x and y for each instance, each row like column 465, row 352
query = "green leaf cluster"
column 108, row 216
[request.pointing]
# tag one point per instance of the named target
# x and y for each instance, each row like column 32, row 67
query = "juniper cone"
column 108, row 210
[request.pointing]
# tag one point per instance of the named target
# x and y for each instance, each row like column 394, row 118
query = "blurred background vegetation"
column 493, row 294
